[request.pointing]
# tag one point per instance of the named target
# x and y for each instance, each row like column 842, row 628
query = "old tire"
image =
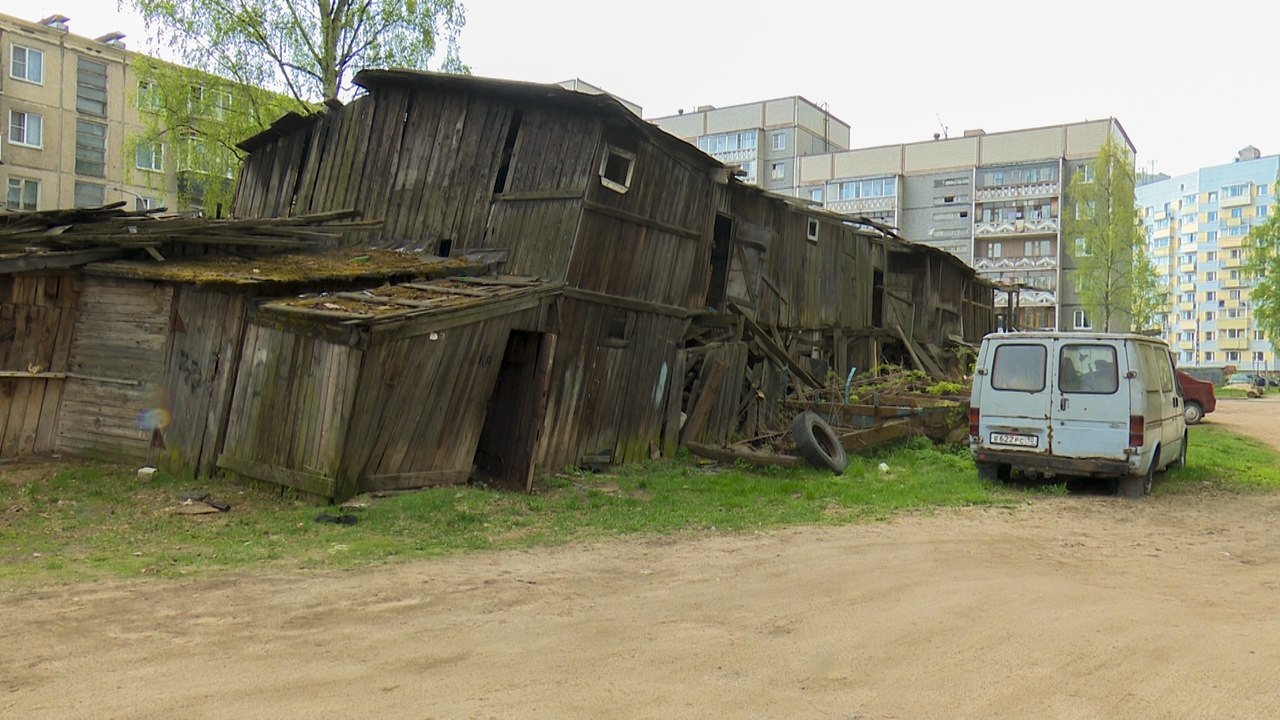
column 818, row 443
column 1193, row 412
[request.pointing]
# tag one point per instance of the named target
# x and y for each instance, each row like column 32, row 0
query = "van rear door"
column 1016, row 400
column 1091, row 402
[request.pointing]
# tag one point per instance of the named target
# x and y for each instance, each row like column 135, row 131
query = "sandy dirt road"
column 1076, row 607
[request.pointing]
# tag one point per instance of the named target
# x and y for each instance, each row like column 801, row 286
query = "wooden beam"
column 533, row 195
column 641, row 220
column 412, row 480
column 56, row 260
column 625, row 302
column 774, row 350
column 731, row 455
column 306, row 482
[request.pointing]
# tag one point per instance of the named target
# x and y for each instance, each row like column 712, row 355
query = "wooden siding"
column 422, row 405
column 37, row 317
column 290, row 410
column 118, row 357
column 607, row 397
column 200, row 368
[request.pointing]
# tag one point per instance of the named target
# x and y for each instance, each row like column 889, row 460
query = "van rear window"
column 1018, row 367
column 1088, row 369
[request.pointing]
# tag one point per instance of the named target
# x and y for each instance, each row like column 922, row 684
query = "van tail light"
column 974, row 416
column 1137, row 430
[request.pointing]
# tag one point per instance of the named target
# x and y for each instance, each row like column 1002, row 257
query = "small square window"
column 814, row 227
column 26, row 129
column 778, row 171
column 26, row 64
column 621, row 327
column 23, row 194
column 779, row 141
column 616, row 169
column 1082, row 321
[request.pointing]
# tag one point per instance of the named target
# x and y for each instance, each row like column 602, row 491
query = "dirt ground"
column 1073, row 607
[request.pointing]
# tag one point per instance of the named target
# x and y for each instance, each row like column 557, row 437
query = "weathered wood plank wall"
column 118, row 353
column 37, row 318
column 200, row 368
column 290, row 411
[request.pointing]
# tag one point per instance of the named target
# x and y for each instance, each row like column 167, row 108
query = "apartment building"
column 1196, row 227
column 766, row 139
column 72, row 122
column 993, row 199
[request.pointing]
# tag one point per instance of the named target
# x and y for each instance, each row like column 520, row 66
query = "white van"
column 1076, row 405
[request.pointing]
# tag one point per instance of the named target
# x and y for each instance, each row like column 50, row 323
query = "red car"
column 1197, row 397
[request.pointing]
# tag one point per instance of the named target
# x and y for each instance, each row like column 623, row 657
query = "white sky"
column 1191, row 82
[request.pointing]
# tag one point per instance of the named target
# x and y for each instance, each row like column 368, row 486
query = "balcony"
column 862, row 205
column 1017, row 192
column 735, row 157
column 1028, row 298
column 1007, row 264
column 1016, row 227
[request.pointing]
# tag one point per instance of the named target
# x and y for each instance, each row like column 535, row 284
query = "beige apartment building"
column 69, row 108
column 993, row 199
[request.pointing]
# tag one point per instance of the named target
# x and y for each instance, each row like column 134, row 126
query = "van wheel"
column 1135, row 486
column 1193, row 413
column 1181, row 460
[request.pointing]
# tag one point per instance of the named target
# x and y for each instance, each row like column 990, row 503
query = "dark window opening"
column 877, row 298
column 812, row 233
column 446, row 246
column 721, row 253
column 622, row 324
column 508, row 149
column 617, row 168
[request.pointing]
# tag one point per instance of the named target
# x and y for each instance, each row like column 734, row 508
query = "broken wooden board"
column 859, row 440
column 732, row 455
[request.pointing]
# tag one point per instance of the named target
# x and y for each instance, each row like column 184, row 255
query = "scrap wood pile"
column 790, row 425
column 64, row 238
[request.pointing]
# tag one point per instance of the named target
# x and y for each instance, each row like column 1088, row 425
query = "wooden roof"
column 407, row 309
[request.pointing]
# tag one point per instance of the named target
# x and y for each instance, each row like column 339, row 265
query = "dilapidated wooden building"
column 649, row 241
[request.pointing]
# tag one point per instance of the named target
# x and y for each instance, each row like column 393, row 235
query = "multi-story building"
column 1196, row 228
column 993, row 199
column 766, row 139
column 72, row 123
column 67, row 108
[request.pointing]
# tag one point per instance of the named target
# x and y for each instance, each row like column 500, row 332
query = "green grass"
column 1218, row 459
column 78, row 521
column 85, row 521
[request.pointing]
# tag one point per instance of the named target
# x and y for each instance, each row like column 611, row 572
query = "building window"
column 91, row 148
column 1208, row 336
column 1262, row 190
column 1235, row 253
column 89, row 194
column 616, row 169
column 812, row 232
column 1086, row 173
column 141, row 202
column 1208, row 356
column 1236, row 213
column 149, row 156
column 1213, row 197
column 779, row 141
column 1233, row 356
column 1235, row 191
column 1186, row 356
column 23, row 194
column 1036, row 248
column 1210, row 296
column 91, row 87
column 1208, row 317
column 222, row 100
column 26, row 129
column 1262, row 211
column 1211, row 257
column 1257, row 335
column 1082, row 321
column 994, row 250
column 26, row 64
column 728, row 142
column 777, row 171
column 148, row 95
column 815, row 194
column 1258, row 357
column 868, row 188
column 1211, row 216
column 1234, row 294
column 1211, row 236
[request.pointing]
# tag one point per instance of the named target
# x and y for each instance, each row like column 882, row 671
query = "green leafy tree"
column 1263, row 265
column 307, row 49
column 244, row 63
column 1113, row 273
column 1151, row 296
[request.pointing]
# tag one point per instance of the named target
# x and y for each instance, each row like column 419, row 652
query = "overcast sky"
column 1191, row 82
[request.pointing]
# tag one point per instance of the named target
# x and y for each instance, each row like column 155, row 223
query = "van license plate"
column 1011, row 439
